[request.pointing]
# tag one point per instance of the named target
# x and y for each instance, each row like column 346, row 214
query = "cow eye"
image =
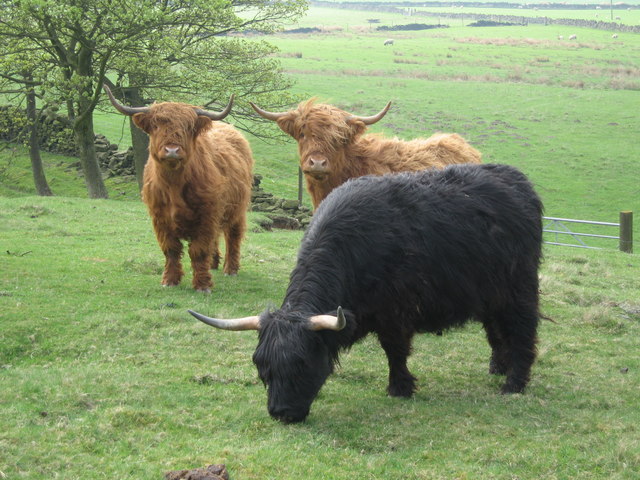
column 301, row 136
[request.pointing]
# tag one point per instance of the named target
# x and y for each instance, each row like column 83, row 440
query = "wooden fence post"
column 299, row 186
column 626, row 232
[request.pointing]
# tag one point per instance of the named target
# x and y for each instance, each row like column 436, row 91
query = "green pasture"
column 104, row 375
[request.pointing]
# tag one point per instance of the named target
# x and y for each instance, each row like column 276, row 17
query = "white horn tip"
column 328, row 322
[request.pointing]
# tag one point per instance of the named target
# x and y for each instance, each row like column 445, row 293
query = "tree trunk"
column 139, row 139
column 85, row 138
column 39, row 178
column 83, row 128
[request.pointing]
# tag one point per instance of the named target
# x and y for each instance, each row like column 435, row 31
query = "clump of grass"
column 34, row 211
column 407, row 61
column 290, row 54
column 143, row 266
column 604, row 317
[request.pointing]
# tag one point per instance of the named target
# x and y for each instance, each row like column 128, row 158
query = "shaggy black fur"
column 407, row 253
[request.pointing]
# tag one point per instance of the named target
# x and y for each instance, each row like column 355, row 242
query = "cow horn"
column 372, row 119
column 215, row 115
column 329, row 322
column 123, row 108
column 247, row 323
column 268, row 115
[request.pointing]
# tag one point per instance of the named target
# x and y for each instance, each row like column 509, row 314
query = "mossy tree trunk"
column 83, row 126
column 39, row 178
column 139, row 139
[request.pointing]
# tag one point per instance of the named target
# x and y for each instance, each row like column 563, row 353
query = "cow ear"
column 356, row 126
column 142, row 121
column 286, row 124
column 202, row 125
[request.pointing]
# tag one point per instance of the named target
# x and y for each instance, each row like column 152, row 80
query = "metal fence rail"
column 558, row 226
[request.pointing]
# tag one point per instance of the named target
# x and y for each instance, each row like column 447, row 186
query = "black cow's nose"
column 287, row 415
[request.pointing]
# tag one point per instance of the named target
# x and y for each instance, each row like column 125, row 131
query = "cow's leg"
column 201, row 261
column 398, row 347
column 172, row 249
column 215, row 261
column 233, row 235
column 519, row 324
column 499, row 363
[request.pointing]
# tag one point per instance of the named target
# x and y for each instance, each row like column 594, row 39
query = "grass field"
column 104, row 375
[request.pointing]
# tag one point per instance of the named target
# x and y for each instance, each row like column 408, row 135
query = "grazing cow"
column 333, row 149
column 197, row 185
column 399, row 254
column 573, row 37
column 388, row 41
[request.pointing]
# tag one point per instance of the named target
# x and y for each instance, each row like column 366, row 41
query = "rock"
column 285, row 222
column 102, row 147
column 290, row 204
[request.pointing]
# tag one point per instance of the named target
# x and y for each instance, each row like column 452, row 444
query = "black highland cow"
column 400, row 254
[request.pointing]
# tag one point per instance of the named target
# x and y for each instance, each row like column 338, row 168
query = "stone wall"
column 114, row 162
column 280, row 212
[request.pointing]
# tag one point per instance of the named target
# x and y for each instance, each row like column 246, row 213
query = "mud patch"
column 212, row 472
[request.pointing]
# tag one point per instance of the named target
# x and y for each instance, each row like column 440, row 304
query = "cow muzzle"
column 316, row 166
column 289, row 415
column 172, row 151
column 171, row 156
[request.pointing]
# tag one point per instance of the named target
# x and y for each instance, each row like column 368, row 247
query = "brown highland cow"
column 333, row 147
column 197, row 186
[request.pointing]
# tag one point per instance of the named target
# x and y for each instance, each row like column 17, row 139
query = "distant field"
column 466, row 3
column 626, row 17
column 564, row 111
column 352, row 16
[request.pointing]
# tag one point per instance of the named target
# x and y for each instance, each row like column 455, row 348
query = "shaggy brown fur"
column 333, row 148
column 197, row 185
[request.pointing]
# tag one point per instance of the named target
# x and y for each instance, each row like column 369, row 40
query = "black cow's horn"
column 123, row 108
column 372, row 119
column 216, row 115
column 268, row 115
column 246, row 323
column 328, row 322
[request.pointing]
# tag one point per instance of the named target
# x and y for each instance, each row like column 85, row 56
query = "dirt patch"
column 212, row 472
